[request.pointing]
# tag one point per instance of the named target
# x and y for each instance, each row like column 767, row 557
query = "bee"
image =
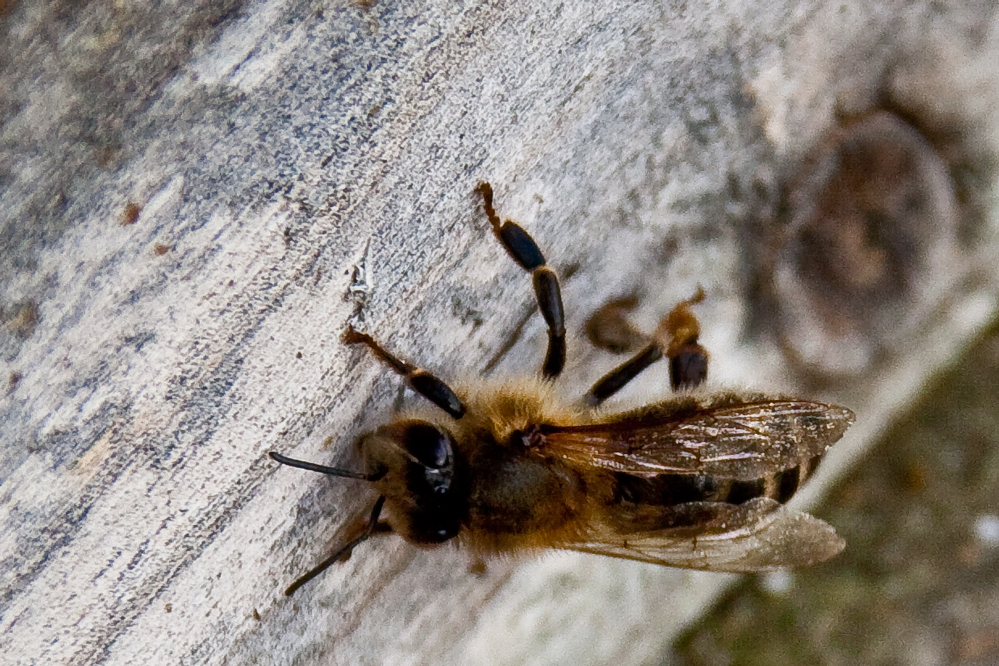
column 697, row 480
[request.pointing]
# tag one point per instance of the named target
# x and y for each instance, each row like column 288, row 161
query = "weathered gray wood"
column 273, row 147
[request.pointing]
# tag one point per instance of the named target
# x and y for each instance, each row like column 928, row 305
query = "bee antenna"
column 343, row 553
column 323, row 469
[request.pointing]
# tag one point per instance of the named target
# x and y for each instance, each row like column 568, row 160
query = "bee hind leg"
column 618, row 378
column 610, row 326
column 430, row 387
column 525, row 251
column 676, row 338
column 688, row 360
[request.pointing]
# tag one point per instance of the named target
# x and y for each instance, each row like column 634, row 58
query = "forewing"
column 742, row 442
column 763, row 535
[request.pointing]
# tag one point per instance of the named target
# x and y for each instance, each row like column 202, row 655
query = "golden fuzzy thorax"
column 505, row 407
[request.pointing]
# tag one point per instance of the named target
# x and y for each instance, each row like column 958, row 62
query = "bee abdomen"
column 740, row 492
column 662, row 502
column 780, row 486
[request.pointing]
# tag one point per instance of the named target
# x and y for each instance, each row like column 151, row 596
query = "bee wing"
column 760, row 535
column 743, row 442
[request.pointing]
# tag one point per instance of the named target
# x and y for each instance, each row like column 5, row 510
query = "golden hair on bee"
column 696, row 480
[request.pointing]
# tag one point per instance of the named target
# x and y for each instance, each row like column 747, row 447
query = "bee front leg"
column 525, row 251
column 421, row 381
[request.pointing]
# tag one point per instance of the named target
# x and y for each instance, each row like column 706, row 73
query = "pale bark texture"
column 198, row 196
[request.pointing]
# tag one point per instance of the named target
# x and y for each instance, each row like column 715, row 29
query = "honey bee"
column 697, row 480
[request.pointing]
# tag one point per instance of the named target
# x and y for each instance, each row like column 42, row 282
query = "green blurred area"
column 919, row 581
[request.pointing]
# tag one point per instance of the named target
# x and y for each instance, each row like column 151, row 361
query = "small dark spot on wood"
column 669, row 248
column 105, row 156
column 298, row 354
column 131, row 213
column 256, row 615
column 23, row 318
column 168, row 608
column 916, row 476
column 13, row 380
column 160, row 249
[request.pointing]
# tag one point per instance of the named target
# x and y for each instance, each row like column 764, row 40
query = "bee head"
column 413, row 465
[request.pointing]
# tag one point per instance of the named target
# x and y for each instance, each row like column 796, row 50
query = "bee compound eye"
column 433, row 521
column 428, row 444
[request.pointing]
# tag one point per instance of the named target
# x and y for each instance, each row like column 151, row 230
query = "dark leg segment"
column 688, row 360
column 525, row 251
column 550, row 301
column 617, row 378
column 688, row 367
column 421, row 381
column 373, row 527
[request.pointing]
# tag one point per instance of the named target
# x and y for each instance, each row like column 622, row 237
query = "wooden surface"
column 189, row 190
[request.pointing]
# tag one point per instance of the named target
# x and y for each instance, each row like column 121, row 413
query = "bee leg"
column 676, row 338
column 688, row 366
column 688, row 360
column 610, row 327
column 616, row 379
column 421, row 381
column 525, row 251
column 373, row 527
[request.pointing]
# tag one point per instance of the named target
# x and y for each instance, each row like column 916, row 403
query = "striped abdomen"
column 648, row 504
